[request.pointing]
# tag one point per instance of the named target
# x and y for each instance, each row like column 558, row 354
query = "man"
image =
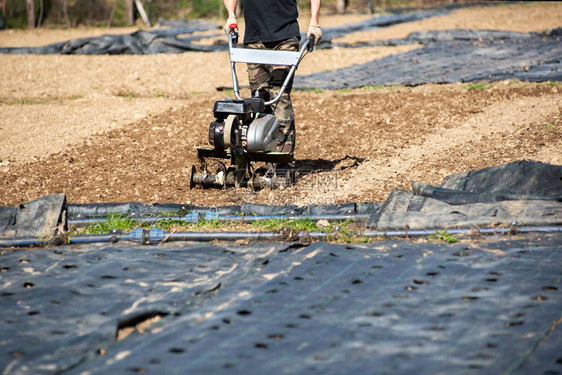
column 272, row 24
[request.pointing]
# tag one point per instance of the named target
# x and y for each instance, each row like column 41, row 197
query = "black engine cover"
column 216, row 134
column 226, row 107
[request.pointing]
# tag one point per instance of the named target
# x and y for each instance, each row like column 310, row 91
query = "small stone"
column 322, row 223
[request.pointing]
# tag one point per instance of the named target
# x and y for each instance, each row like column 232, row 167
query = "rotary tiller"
column 244, row 131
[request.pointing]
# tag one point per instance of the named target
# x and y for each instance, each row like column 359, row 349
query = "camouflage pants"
column 268, row 75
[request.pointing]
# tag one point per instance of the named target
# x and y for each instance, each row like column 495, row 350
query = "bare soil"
column 122, row 128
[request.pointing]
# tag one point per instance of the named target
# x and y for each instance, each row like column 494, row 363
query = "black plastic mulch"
column 385, row 20
column 453, row 56
column 486, row 306
column 172, row 40
column 518, row 193
column 447, row 56
column 141, row 42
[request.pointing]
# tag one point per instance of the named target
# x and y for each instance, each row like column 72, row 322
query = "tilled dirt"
column 120, row 128
column 355, row 146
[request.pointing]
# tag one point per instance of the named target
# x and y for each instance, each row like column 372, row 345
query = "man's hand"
column 230, row 21
column 316, row 31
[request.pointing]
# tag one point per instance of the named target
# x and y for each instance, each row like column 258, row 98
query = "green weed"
column 228, row 92
column 277, row 224
column 373, row 88
column 208, row 224
column 345, row 234
column 26, row 101
column 269, row 224
column 316, row 91
column 123, row 223
column 127, row 94
column 167, row 224
column 443, row 236
column 341, row 232
column 303, row 224
column 478, row 86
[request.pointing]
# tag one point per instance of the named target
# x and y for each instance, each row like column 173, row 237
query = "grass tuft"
column 127, row 94
column 338, row 232
column 373, row 88
column 316, row 91
column 278, row 224
column 123, row 223
column 443, row 236
column 228, row 92
column 477, row 86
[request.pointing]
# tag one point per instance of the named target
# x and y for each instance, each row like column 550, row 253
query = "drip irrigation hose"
column 157, row 236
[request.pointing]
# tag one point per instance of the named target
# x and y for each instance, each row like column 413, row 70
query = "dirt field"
column 122, row 128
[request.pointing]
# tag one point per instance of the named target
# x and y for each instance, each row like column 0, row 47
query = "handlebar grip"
column 233, row 33
column 310, row 46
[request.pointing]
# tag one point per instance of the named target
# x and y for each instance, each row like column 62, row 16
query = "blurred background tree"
column 105, row 13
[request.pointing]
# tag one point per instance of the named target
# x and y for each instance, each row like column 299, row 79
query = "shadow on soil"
column 308, row 166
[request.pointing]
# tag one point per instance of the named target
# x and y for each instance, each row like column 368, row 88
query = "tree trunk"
column 142, row 13
column 130, row 12
column 371, row 7
column 65, row 12
column 41, row 13
column 340, row 6
column 3, row 15
column 30, row 14
column 111, row 15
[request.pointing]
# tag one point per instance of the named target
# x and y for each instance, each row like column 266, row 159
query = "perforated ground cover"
column 453, row 56
column 488, row 305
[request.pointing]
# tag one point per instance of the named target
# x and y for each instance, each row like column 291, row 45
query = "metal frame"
column 266, row 57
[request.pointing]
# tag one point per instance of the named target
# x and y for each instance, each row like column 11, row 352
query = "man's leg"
column 258, row 75
column 263, row 75
column 283, row 109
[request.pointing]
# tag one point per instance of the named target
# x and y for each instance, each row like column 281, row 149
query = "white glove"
column 230, row 21
column 316, row 31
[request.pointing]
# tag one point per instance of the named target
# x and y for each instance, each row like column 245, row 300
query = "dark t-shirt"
column 270, row 20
